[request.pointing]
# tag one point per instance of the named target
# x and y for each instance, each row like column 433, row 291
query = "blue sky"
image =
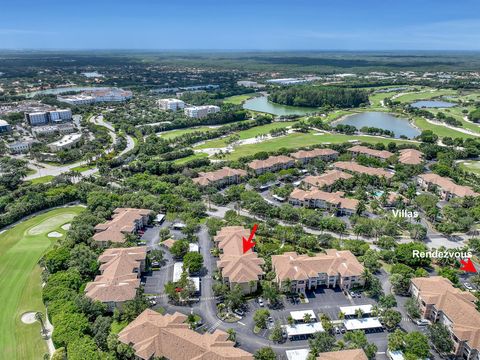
column 241, row 24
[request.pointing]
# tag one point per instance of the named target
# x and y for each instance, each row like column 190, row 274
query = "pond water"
column 64, row 90
column 399, row 126
column 262, row 104
column 432, row 104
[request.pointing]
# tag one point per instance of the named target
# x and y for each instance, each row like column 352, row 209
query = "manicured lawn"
column 42, row 179
column 424, row 95
column 237, row 99
column 246, row 134
column 190, row 158
column 175, row 133
column 296, row 140
column 472, row 166
column 375, row 99
column 456, row 112
column 441, row 131
column 22, row 247
column 83, row 168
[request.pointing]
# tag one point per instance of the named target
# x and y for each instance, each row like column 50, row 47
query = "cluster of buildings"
column 406, row 156
column 96, row 96
column 353, row 167
column 303, row 272
column 221, row 177
column 326, row 180
column 272, row 163
column 124, row 221
column 171, row 104
column 66, row 142
column 48, row 117
column 236, row 267
column 324, row 200
column 440, row 301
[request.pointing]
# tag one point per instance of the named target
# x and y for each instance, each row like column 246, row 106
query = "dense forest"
column 316, row 96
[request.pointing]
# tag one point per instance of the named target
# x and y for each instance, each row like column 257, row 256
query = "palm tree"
column 307, row 317
column 287, row 285
column 359, row 313
column 39, row 318
column 232, row 335
column 290, row 320
column 341, row 315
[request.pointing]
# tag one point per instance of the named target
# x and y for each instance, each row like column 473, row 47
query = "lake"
column 262, row 104
column 399, row 126
column 432, row 104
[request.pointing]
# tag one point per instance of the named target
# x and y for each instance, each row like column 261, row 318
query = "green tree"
column 412, row 308
column 179, row 248
column 321, row 342
column 396, row 340
column 232, row 335
column 260, row 318
column 387, row 301
column 276, row 334
column 391, row 318
column 68, row 327
column 193, row 261
column 440, row 338
column 265, row 353
column 101, row 330
column 82, row 348
column 416, row 344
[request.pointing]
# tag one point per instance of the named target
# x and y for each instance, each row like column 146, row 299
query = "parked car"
column 239, row 312
column 422, row 322
column 260, row 302
column 468, row 286
column 155, row 264
column 337, row 330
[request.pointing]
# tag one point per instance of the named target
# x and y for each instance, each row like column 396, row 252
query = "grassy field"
column 441, row 131
column 246, row 134
column 456, row 112
column 237, row 99
column 296, row 140
column 424, row 95
column 42, row 179
column 375, row 99
column 472, row 166
column 175, row 133
column 82, row 168
column 190, row 158
column 22, row 247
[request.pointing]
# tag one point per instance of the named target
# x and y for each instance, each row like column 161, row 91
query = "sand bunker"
column 66, row 226
column 28, row 317
column 54, row 234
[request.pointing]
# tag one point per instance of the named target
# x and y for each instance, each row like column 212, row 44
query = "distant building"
column 96, row 96
column 52, row 129
column 45, row 117
column 250, row 84
column 66, row 142
column 4, row 127
column 171, row 104
column 305, row 156
column 77, row 99
column 410, row 157
column 199, row 112
column 272, row 163
column 303, row 272
column 353, row 167
column 353, row 354
column 366, row 151
column 286, row 81
column 324, row 200
column 326, row 180
column 446, row 188
column 223, row 176
column 20, row 147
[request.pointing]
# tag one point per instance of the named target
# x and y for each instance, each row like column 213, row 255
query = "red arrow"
column 248, row 244
column 468, row 266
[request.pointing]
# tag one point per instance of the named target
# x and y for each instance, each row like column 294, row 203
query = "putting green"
column 20, row 280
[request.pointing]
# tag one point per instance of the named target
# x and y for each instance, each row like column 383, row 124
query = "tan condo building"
column 372, row 153
column 153, row 335
column 444, row 186
column 236, row 267
column 221, row 177
column 325, row 180
column 305, row 156
column 353, row 167
column 353, row 354
column 124, row 221
column 324, row 200
column 334, row 268
column 410, row 157
column 273, row 163
column 119, row 278
column 440, row 302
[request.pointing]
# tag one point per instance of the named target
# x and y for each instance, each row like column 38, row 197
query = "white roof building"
column 192, row 247
column 350, row 310
column 297, row 354
column 177, row 274
column 299, row 315
column 362, row 324
column 303, row 329
column 66, row 142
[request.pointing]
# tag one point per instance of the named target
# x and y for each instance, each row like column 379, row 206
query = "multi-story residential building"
column 66, row 142
column 119, row 278
column 124, row 221
column 303, row 272
column 273, row 163
column 410, row 157
column 4, row 127
column 440, row 302
column 45, row 117
column 221, row 177
column 305, row 156
column 171, row 104
column 444, row 186
column 199, row 112
column 363, row 150
column 325, row 180
column 153, row 335
column 353, row 167
column 236, row 267
column 324, row 200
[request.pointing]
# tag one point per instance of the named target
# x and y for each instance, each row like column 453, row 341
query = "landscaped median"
column 20, row 280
